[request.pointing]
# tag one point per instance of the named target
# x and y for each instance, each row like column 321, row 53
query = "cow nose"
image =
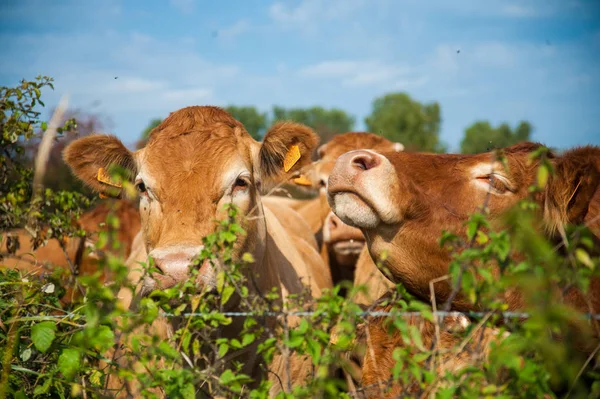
column 334, row 222
column 364, row 160
column 173, row 264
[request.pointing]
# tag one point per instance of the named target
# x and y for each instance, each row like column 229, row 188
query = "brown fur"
column 187, row 166
column 82, row 155
column 276, row 145
column 369, row 275
column 315, row 211
column 435, row 192
column 378, row 362
column 48, row 257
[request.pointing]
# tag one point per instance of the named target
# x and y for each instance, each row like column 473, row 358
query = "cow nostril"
column 365, row 161
column 333, row 223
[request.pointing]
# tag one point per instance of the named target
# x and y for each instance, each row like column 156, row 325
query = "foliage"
column 399, row 118
column 55, row 348
column 326, row 122
column 482, row 137
column 254, row 121
column 47, row 215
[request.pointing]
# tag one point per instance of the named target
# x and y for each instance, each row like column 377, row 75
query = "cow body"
column 78, row 255
column 198, row 160
column 403, row 201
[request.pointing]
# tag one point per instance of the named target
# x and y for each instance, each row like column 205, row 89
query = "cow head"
column 345, row 242
column 196, row 161
column 402, row 201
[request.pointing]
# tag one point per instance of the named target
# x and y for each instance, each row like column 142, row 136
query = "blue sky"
column 537, row 60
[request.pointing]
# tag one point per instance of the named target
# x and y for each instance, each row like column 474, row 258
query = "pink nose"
column 340, row 231
column 349, row 168
column 364, row 160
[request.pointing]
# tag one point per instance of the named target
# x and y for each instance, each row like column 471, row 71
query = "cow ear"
column 398, row 147
column 321, row 150
column 91, row 159
column 285, row 150
column 570, row 190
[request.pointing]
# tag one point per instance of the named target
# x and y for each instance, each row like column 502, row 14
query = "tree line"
column 396, row 116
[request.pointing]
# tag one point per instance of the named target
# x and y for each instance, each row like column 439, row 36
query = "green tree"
column 146, row 132
column 326, row 122
column 254, row 121
column 399, row 118
column 153, row 123
column 482, row 137
column 61, row 177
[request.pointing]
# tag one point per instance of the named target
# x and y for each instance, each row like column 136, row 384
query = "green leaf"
column 248, row 258
column 223, row 349
column 227, row 292
column 69, row 362
column 26, row 354
column 42, row 335
column 542, row 176
column 227, row 377
column 295, row 341
column 584, row 258
column 42, row 389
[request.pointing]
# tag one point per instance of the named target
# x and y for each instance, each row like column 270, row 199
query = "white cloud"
column 188, row 96
column 131, row 85
column 238, row 28
column 356, row 73
column 309, row 15
column 518, row 10
column 185, row 6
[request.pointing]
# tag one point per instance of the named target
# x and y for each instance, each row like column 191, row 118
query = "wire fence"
column 505, row 315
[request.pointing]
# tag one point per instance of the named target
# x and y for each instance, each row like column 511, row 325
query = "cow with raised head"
column 196, row 161
column 341, row 244
column 403, row 201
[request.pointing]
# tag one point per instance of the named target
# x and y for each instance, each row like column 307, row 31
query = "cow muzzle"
column 174, row 264
column 361, row 187
column 345, row 241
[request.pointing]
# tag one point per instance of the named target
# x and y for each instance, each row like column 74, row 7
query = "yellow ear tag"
column 103, row 177
column 292, row 156
column 302, row 181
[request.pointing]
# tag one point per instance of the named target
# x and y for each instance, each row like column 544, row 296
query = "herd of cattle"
column 377, row 206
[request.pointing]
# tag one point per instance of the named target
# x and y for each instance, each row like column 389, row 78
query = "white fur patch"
column 398, row 147
column 354, row 211
column 489, row 168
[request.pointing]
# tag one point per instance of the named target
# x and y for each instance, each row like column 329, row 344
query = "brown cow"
column 196, row 161
column 403, row 201
column 455, row 352
column 340, row 243
column 79, row 252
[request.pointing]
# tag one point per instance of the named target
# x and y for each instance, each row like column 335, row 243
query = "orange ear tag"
column 103, row 177
column 302, row 181
column 292, row 156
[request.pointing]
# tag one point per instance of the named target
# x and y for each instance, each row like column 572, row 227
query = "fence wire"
column 505, row 315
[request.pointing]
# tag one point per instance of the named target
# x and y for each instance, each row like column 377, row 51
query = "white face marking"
column 489, row 168
column 353, row 211
column 149, row 182
column 236, row 170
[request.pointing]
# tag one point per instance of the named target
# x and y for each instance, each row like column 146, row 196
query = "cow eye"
column 240, row 184
column 141, row 187
column 322, row 182
column 496, row 183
